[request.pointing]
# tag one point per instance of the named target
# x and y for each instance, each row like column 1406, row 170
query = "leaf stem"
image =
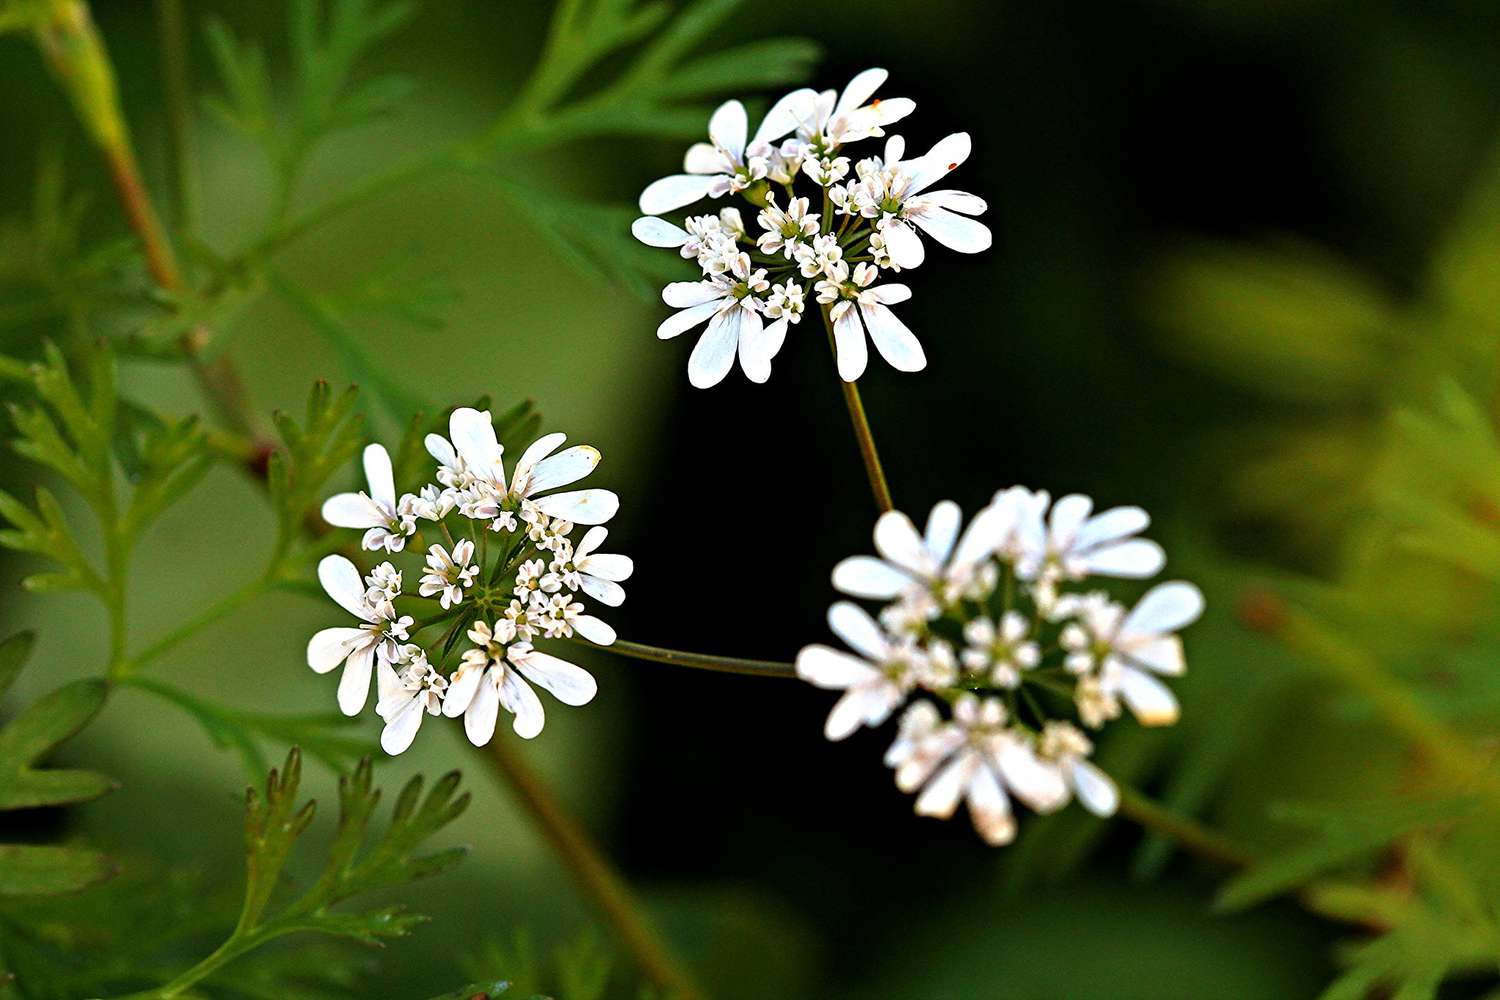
column 862, row 434
column 1184, row 831
column 213, row 613
column 595, row 876
column 177, row 94
column 697, row 661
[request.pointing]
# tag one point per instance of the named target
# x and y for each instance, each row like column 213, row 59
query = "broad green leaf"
column 32, row 870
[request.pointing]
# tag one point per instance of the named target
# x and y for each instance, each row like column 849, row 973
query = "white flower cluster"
column 502, row 595
column 998, row 624
column 754, row 287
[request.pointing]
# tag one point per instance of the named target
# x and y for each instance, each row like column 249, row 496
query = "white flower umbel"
column 377, row 510
column 994, row 621
column 866, row 224
column 504, row 572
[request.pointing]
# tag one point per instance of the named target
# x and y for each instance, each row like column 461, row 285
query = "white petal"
column 461, row 688
column 890, row 294
column 354, row 685
column 473, row 434
column 942, row 529
column 674, row 192
column 955, row 201
column 1165, row 608
column 592, row 539
column 568, row 682
column 984, row 534
column 729, row 126
column 866, row 576
column 704, row 158
column 608, row 566
column 330, row 647
column 402, row 728
column 947, row 154
column 1149, row 699
column 800, row 107
column 534, row 453
column 862, row 704
column 441, row 449
column 854, row 625
column 681, row 294
column 860, row 90
column 942, row 794
column 1112, row 525
column 1068, row 516
column 1096, row 792
column 1162, row 655
column 341, row 581
column 580, row 506
column 656, row 232
column 849, row 343
column 826, row 667
column 989, row 808
column 895, row 150
column 897, row 540
column 519, row 700
column 595, row 630
column 895, row 342
column 956, row 232
column 904, row 245
column 484, row 709
column 1037, row 783
column 754, row 360
column 606, row 592
column 389, row 694
column 1135, row 559
column 713, row 355
column 351, row 510
column 378, row 472
column 564, row 468
column 680, row 322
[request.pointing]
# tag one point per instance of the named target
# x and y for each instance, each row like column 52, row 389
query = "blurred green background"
column 1213, row 279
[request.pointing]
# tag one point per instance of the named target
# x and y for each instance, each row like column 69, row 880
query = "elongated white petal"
column 890, row 294
column 862, row 704
column 484, row 709
column 896, row 539
column 681, row 294
column 591, row 540
column 755, row 362
column 800, row 107
column 729, row 126
column 942, row 794
column 854, row 625
column 942, row 529
column 401, row 729
column 1096, row 791
column 1161, row 654
column 989, row 808
column 330, row 647
column 534, row 453
column 860, row 89
column 904, row 245
column 354, row 685
column 864, row 121
column 390, row 695
column 680, row 322
column 441, row 449
column 1136, row 559
column 954, row 201
column 1166, row 607
column 595, row 630
column 341, row 581
column 461, row 689
column 705, row 158
column 378, row 472
column 1036, row 782
column 656, row 232
column 608, row 566
column 895, row 342
column 1113, row 525
column 947, row 154
column 473, row 434
column 674, row 192
column 606, row 592
column 827, row 667
column 580, row 506
column 1068, row 516
column 849, row 344
column 713, row 355
column 914, row 772
column 567, row 682
column 984, row 534
column 565, row 468
column 519, row 700
column 895, row 150
column 353, row 510
column 1151, row 701
column 866, row 576
column 954, row 231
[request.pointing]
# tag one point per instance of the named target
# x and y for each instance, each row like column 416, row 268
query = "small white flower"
column 1001, row 653
column 858, row 307
column 448, row 575
column 356, row 648
column 383, row 584
column 405, row 696
column 874, row 683
column 976, row 758
column 816, row 258
column 532, row 579
column 891, row 191
column 1074, row 545
column 727, row 162
column 1066, row 746
column 839, row 119
column 494, row 675
column 786, row 301
column 786, row 229
column 429, row 503
column 475, row 457
column 730, row 305
column 375, row 510
column 597, row 574
column 918, row 722
column 938, row 563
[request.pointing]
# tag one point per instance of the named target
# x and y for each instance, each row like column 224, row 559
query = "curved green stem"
column 862, row 434
column 1184, row 831
column 698, row 661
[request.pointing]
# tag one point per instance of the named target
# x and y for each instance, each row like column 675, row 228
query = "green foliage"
column 577, row 970
column 27, row 869
column 329, row 436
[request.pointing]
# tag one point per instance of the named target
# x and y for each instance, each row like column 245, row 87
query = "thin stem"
column 177, row 93
column 220, row 609
column 1184, row 831
column 604, row 886
column 698, row 661
column 862, row 435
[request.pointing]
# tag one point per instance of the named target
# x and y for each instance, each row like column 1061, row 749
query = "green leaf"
column 31, row 870
column 14, row 652
column 330, row 435
column 31, row 735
